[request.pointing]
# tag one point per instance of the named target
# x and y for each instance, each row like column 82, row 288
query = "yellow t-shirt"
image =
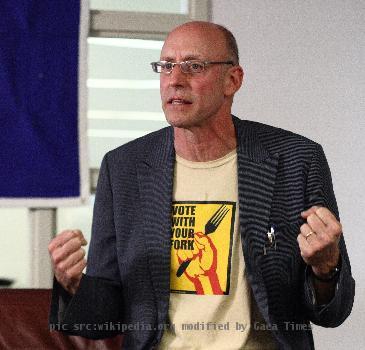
column 211, row 305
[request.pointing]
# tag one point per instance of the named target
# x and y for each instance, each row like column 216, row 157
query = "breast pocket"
column 281, row 260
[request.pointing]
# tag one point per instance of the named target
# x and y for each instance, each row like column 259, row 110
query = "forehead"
column 189, row 42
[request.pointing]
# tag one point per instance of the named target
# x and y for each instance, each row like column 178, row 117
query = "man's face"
column 190, row 100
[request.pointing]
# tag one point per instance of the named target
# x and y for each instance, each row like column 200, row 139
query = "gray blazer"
column 127, row 280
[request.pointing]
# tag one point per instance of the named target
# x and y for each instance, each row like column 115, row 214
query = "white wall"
column 304, row 64
column 15, row 243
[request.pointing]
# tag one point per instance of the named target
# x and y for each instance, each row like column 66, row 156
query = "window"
column 123, row 93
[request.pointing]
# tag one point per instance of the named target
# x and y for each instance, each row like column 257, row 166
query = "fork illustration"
column 210, row 227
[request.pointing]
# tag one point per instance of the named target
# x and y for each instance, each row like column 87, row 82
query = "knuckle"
column 304, row 254
column 73, row 246
column 69, row 275
column 320, row 210
column 54, row 261
column 50, row 248
column 337, row 227
column 311, row 216
column 325, row 242
column 337, row 236
column 77, row 233
column 334, row 229
column 66, row 234
column 61, row 266
column 56, row 258
column 303, row 228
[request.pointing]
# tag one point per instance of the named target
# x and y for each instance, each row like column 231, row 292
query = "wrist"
column 329, row 277
column 327, row 274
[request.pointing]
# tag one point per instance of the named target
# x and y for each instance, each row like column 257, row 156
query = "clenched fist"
column 67, row 257
column 318, row 240
column 203, row 264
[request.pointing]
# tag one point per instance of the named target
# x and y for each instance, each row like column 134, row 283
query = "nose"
column 177, row 77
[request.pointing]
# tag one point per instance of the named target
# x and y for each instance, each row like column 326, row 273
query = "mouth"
column 178, row 101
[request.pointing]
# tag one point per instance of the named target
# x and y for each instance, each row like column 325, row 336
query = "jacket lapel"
column 155, row 178
column 256, row 179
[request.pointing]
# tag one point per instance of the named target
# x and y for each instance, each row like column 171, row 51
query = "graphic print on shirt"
column 201, row 246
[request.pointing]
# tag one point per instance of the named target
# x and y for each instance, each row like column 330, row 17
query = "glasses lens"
column 193, row 66
column 156, row 67
column 167, row 67
column 186, row 66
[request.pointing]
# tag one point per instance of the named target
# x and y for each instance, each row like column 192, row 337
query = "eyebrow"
column 186, row 58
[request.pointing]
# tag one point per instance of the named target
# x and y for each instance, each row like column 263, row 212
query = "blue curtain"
column 39, row 150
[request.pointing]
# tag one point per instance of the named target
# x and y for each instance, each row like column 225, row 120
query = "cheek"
column 205, row 90
column 211, row 93
column 162, row 86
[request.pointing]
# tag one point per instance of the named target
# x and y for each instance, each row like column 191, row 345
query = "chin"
column 177, row 121
column 181, row 123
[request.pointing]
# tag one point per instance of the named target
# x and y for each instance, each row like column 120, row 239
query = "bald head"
column 216, row 31
column 192, row 99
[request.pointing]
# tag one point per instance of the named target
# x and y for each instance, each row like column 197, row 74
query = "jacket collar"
column 160, row 154
column 248, row 143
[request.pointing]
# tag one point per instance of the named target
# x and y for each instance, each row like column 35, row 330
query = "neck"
column 208, row 142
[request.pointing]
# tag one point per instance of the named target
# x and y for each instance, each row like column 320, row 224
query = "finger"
column 200, row 240
column 305, row 230
column 64, row 237
column 316, row 224
column 182, row 254
column 325, row 214
column 71, row 260
column 308, row 247
column 198, row 234
column 303, row 246
column 61, row 239
column 330, row 220
column 75, row 272
column 309, row 211
column 81, row 236
column 61, row 253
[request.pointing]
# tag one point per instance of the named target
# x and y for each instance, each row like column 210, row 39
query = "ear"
column 234, row 79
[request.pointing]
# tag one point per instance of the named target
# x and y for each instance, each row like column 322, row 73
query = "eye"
column 196, row 67
column 167, row 66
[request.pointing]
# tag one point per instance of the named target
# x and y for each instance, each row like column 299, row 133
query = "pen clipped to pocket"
column 270, row 242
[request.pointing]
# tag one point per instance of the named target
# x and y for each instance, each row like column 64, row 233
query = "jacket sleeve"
column 95, row 311
column 319, row 191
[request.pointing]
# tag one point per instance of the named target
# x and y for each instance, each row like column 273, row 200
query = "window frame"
column 144, row 25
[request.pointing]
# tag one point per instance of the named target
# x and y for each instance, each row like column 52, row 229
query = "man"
column 215, row 233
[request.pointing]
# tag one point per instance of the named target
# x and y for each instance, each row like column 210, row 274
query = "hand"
column 201, row 258
column 203, row 264
column 318, row 240
column 67, row 257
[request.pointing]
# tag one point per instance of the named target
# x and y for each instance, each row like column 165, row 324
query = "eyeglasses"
column 191, row 67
